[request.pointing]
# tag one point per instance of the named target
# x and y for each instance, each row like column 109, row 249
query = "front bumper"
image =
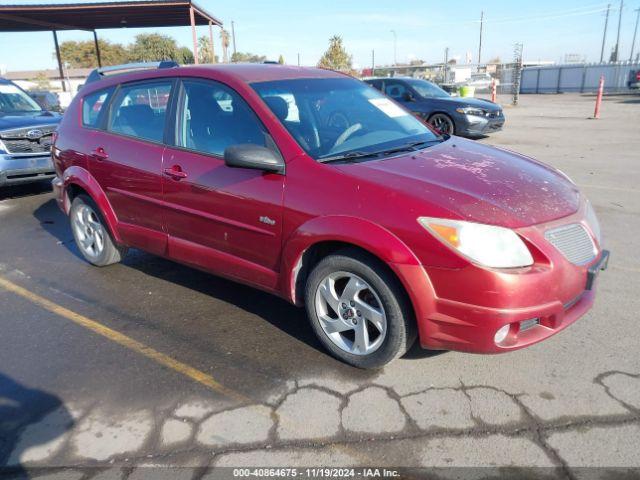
column 462, row 309
column 20, row 169
column 474, row 126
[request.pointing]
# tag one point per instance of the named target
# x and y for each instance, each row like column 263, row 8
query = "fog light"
column 501, row 334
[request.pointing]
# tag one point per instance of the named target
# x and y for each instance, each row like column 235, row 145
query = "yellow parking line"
column 123, row 340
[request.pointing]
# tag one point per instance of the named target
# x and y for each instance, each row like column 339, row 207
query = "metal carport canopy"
column 98, row 15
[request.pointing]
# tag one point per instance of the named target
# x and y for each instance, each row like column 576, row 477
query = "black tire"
column 111, row 252
column 400, row 322
column 443, row 123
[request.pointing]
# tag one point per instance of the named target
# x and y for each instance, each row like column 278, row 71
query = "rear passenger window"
column 214, row 116
column 92, row 106
column 140, row 110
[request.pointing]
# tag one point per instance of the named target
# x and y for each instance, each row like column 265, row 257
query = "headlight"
column 478, row 112
column 490, row 246
column 592, row 221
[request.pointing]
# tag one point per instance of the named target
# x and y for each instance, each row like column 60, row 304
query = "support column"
column 213, row 52
column 193, row 34
column 95, row 41
column 55, row 41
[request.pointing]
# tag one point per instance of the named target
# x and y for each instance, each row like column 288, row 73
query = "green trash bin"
column 466, row 91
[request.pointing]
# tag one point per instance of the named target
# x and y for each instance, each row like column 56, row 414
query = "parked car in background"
column 26, row 135
column 634, row 79
column 480, row 81
column 46, row 99
column 464, row 116
column 313, row 186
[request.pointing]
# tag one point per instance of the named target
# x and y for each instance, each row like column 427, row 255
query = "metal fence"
column 581, row 78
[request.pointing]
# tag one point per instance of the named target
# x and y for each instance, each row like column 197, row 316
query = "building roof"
column 52, row 74
column 98, row 15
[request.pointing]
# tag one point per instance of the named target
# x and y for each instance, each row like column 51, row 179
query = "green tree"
column 184, row 56
column 281, row 60
column 153, row 47
column 83, row 54
column 246, row 57
column 336, row 57
column 204, row 50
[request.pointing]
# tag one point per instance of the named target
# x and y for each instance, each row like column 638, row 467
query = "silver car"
column 26, row 134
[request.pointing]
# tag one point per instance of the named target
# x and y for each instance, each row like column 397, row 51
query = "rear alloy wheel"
column 442, row 123
column 91, row 235
column 358, row 310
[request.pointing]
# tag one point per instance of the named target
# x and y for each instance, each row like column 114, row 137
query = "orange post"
column 493, row 90
column 596, row 113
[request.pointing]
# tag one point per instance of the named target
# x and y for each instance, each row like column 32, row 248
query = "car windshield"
column 339, row 118
column 427, row 89
column 14, row 100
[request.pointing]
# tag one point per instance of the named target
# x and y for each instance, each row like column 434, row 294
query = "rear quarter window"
column 92, row 105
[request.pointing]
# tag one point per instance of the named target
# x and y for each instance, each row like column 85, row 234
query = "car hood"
column 9, row 122
column 475, row 182
column 472, row 102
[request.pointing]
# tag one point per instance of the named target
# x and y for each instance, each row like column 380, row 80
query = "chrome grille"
column 27, row 140
column 574, row 242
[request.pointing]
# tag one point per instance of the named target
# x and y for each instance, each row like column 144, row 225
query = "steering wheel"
column 344, row 136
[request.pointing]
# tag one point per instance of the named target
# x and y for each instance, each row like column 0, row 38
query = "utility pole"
column 395, row 47
column 616, row 54
column 298, row 59
column 480, row 45
column 604, row 34
column 373, row 63
column 446, row 65
column 233, row 36
column 635, row 32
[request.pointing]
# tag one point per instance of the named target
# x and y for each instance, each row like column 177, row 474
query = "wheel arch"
column 323, row 236
column 77, row 180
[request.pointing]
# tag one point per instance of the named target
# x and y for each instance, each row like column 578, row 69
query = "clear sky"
column 549, row 29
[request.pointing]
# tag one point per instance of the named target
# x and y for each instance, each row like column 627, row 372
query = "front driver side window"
column 214, row 117
column 395, row 90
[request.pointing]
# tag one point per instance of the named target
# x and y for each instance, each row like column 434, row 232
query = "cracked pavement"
column 75, row 405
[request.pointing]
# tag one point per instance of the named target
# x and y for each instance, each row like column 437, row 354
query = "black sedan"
column 464, row 116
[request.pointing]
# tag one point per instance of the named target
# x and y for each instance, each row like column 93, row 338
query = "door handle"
column 99, row 154
column 175, row 172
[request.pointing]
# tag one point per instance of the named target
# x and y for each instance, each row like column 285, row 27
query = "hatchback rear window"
column 92, row 106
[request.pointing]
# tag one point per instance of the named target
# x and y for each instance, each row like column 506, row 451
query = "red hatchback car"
column 314, row 186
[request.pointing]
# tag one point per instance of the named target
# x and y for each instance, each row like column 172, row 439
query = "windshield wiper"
column 409, row 147
column 348, row 156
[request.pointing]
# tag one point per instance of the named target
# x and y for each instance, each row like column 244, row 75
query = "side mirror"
column 407, row 97
column 254, row 157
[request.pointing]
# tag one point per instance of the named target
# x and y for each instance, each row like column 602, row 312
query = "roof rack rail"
column 99, row 73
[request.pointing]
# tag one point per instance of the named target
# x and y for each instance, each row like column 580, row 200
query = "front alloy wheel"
column 351, row 313
column 359, row 310
column 442, row 123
